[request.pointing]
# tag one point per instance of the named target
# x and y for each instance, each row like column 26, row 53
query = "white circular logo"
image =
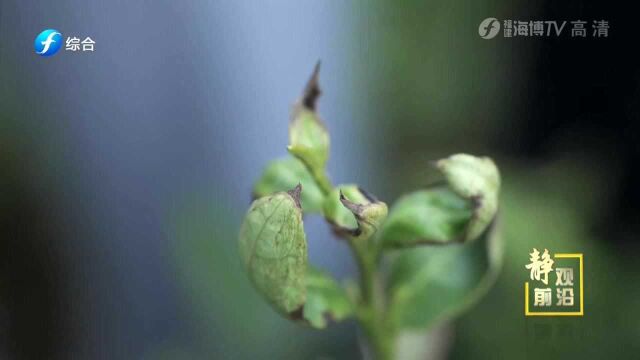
column 489, row 28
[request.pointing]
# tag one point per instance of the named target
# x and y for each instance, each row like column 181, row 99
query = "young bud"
column 308, row 137
column 353, row 212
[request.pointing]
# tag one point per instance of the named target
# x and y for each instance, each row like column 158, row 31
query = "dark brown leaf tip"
column 369, row 196
column 297, row 314
column 312, row 90
column 295, row 194
column 355, row 208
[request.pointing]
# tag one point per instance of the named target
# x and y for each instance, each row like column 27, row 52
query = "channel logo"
column 48, row 42
column 489, row 28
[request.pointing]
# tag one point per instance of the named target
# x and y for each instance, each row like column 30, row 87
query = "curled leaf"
column 353, row 212
column 456, row 212
column 273, row 248
column 326, row 299
column 308, row 136
column 283, row 174
column 478, row 180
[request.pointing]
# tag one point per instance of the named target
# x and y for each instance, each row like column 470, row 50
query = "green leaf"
column 433, row 216
column 457, row 212
column 476, row 179
column 273, row 248
column 326, row 300
column 286, row 173
column 434, row 283
column 353, row 212
column 308, row 136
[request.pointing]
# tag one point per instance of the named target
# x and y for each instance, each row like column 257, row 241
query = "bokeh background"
column 125, row 173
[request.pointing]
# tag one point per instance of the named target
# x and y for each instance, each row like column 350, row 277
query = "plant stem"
column 372, row 307
column 322, row 181
column 371, row 310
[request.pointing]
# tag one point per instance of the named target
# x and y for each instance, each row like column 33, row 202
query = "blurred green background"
column 125, row 173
